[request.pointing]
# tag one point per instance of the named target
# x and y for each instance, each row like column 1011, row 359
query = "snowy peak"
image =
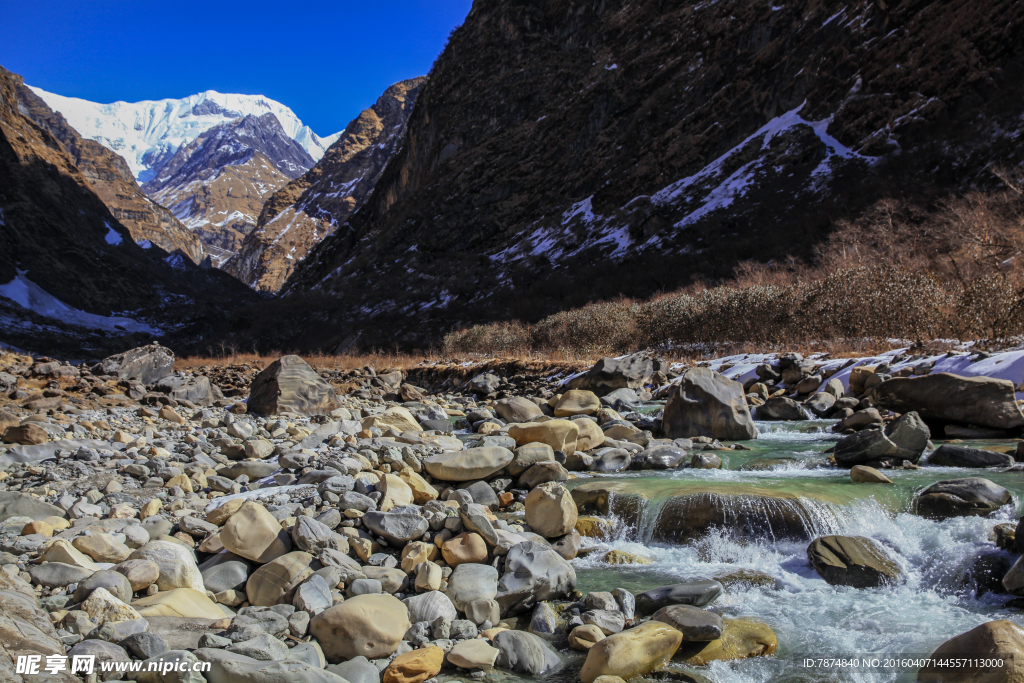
column 147, row 134
column 217, row 183
column 231, row 144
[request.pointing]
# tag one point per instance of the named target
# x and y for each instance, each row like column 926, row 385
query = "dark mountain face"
column 299, row 215
column 216, row 184
column 67, row 265
column 109, row 176
column 563, row 152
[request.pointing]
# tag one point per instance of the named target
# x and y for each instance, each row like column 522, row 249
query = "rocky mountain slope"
column 72, row 280
column 148, row 134
column 110, row 178
column 299, row 215
column 564, row 152
column 216, row 184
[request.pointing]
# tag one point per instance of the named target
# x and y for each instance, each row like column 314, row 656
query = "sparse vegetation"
column 899, row 272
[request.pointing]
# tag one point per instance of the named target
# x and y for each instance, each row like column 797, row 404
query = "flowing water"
column 811, row 618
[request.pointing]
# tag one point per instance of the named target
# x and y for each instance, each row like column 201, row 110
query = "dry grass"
column 379, row 360
column 901, row 272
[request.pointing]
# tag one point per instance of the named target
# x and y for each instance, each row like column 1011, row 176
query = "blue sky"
column 326, row 60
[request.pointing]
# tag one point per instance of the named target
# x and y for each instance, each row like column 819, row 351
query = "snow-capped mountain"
column 216, row 184
column 148, row 134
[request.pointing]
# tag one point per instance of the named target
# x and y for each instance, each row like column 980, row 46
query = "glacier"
column 148, row 133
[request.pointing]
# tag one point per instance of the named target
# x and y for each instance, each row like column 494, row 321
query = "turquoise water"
column 810, row 617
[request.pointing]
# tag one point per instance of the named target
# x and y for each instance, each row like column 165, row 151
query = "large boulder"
column 483, row 384
column 852, row 561
column 608, row 374
column 13, row 504
column 961, row 498
column 471, row 582
column 517, row 409
column 469, row 464
column 145, row 363
column 290, row 385
column 561, row 435
column 632, row 653
column 904, row 439
column 397, row 417
column 275, row 581
column 705, row 403
column 577, row 402
column 398, row 527
column 197, row 389
column 550, row 510
column 25, row 629
column 696, row 593
column 949, row 455
column 533, row 573
column 525, row 653
column 371, row 626
column 255, row 534
column 177, row 565
column 529, row 455
column 694, row 623
column 1001, row 640
column 741, row 638
column 781, row 408
column 945, row 397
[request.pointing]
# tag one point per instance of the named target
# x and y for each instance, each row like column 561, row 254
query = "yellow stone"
column 223, row 512
column 741, row 638
column 416, row 552
column 395, row 492
column 416, row 666
column 591, row 436
column 57, row 523
column 180, row 602
column 577, row 402
column 421, row 490
column 561, row 435
column 150, row 508
column 622, row 557
column 595, row 527
column 635, row 652
column 41, row 528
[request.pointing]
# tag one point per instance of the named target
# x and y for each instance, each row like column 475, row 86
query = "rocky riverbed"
column 636, row 520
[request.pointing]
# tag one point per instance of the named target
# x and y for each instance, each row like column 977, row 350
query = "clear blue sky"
column 326, row 60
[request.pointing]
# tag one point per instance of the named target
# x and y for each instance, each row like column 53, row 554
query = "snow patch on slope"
column 113, row 237
column 31, row 296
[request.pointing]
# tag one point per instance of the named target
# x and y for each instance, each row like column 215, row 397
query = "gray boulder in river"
column 852, row 561
column 943, row 396
column 961, row 456
column 961, row 498
column 705, row 403
column 904, row 439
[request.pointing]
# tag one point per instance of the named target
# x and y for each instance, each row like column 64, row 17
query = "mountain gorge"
column 109, row 176
column 565, row 152
column 217, row 184
column 300, row 215
column 72, row 279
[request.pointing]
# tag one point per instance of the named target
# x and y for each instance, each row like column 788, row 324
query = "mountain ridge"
column 216, row 184
column 563, row 153
column 309, row 208
column 72, row 280
column 148, row 133
column 109, row 176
